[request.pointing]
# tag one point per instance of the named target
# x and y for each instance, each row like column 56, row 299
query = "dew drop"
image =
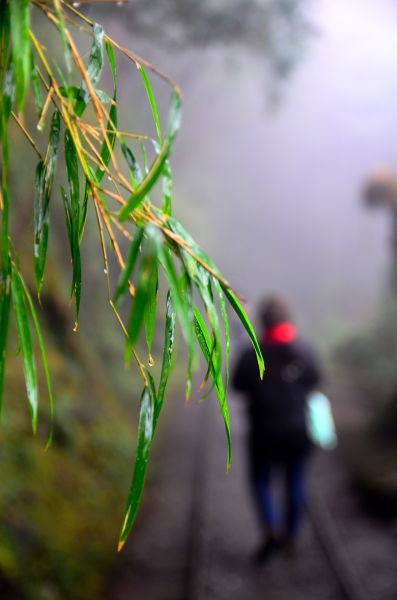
column 151, row 360
column 105, row 271
column 76, row 4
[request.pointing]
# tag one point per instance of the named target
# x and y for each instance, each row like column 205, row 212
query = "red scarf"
column 282, row 333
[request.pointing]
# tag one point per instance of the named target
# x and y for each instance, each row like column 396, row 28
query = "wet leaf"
column 204, row 341
column 25, row 341
column 168, row 349
column 150, row 309
column 45, row 173
column 146, row 273
column 152, row 100
column 94, row 69
column 43, row 355
column 36, row 87
column 145, row 436
column 20, row 24
column 157, row 166
column 126, row 273
column 5, row 298
column 240, row 312
column 72, row 169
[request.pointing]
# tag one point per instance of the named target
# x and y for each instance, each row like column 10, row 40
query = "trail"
column 197, row 528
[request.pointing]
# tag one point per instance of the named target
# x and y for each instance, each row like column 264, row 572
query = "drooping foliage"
column 107, row 171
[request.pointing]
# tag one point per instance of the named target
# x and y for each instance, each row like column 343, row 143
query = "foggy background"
column 282, row 178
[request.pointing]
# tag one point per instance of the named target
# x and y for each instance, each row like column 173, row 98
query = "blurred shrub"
column 366, row 359
column 57, row 539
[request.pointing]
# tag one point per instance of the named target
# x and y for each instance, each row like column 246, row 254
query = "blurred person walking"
column 278, row 441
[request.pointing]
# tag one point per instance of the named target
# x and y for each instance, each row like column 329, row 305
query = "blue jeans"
column 293, row 473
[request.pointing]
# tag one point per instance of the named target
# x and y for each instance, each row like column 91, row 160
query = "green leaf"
column 156, row 168
column 145, row 436
column 126, row 273
column 20, row 26
column 240, row 312
column 225, row 320
column 43, row 355
column 202, row 280
column 4, row 41
column 36, row 87
column 112, row 61
column 136, row 173
column 44, row 178
column 108, row 144
column 94, row 69
column 204, row 341
column 5, row 297
column 146, row 273
column 168, row 349
column 65, row 43
column 188, row 292
column 180, row 303
column 167, row 189
column 72, row 168
column 152, row 100
column 25, row 341
column 150, row 309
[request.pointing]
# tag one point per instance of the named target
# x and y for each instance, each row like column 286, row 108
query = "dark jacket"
column 276, row 405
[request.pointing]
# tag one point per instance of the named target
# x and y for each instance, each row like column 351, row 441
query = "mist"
column 273, row 189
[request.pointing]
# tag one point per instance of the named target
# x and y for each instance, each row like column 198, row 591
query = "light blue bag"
column 320, row 422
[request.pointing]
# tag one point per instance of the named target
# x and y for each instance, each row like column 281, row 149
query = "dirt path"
column 197, row 529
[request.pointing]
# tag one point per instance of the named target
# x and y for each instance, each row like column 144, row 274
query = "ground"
column 197, row 527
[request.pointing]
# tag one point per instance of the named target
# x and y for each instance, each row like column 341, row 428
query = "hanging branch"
column 158, row 245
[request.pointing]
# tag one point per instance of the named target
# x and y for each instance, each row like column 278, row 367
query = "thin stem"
column 27, row 135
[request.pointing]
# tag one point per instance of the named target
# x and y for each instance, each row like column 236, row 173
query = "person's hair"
column 274, row 310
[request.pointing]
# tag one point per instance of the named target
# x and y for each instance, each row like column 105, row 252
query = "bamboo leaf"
column 45, row 173
column 65, row 43
column 40, row 221
column 226, row 330
column 188, row 292
column 5, row 298
column 107, row 146
column 43, row 355
column 112, row 61
column 20, row 26
column 72, row 169
column 168, row 349
column 94, row 69
column 167, row 189
column 150, row 310
column 146, row 272
column 36, row 87
column 204, row 341
column 136, row 173
column 25, row 341
column 145, row 436
column 126, row 273
column 4, row 41
column 152, row 100
column 181, row 306
column 240, row 312
column 157, row 166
